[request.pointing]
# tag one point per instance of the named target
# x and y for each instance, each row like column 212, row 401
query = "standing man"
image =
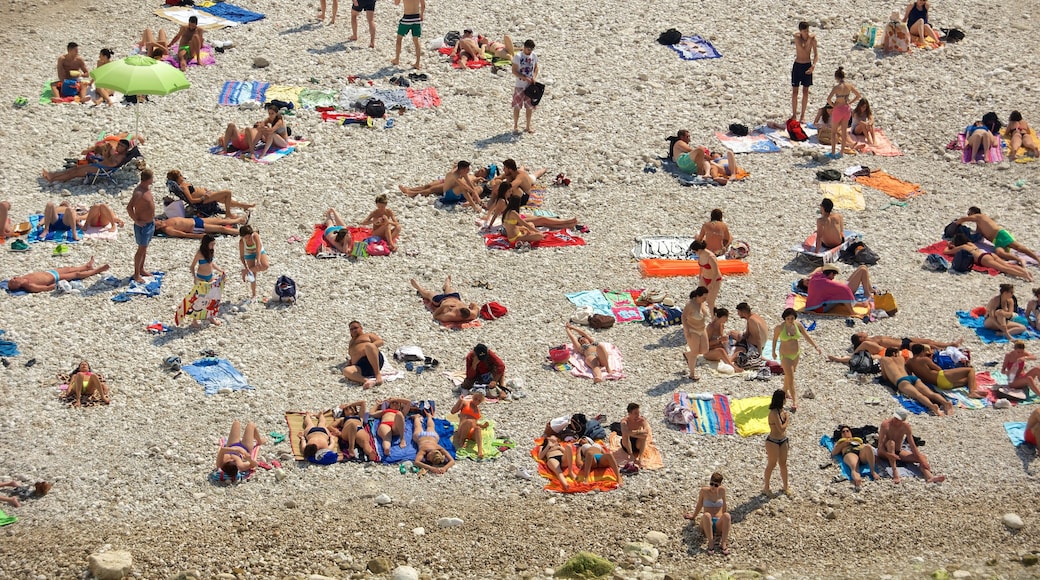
column 414, row 13
column 190, row 43
column 360, row 6
column 896, row 443
column 69, row 63
column 141, row 209
column 364, row 357
column 830, row 227
column 805, row 58
column 525, row 69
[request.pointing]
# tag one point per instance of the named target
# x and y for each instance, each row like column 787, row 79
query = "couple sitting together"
column 702, row 161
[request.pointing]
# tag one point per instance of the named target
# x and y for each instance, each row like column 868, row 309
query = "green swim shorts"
column 1003, row 239
column 415, row 28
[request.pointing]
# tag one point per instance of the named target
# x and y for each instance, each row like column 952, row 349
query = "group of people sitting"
column 271, row 132
column 701, row 161
column 476, row 47
column 981, row 136
column 382, row 220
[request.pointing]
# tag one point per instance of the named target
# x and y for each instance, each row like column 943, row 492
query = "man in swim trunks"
column 141, row 209
column 484, row 367
column 359, row 6
column 806, row 56
column 448, row 306
column 460, row 186
column 48, row 281
column 1002, row 239
column 411, row 22
column 893, row 368
column 525, row 69
column 68, row 64
column 111, row 160
column 65, row 220
column 190, row 46
column 896, row 443
column 922, row 365
column 365, row 359
column 635, row 432
column 830, row 227
column 196, row 228
column 753, row 339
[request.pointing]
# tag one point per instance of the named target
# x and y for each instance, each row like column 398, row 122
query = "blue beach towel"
column 988, row 336
column 233, row 13
column 215, row 374
column 864, row 470
column 63, row 236
column 695, row 48
column 237, row 92
column 407, row 453
column 4, row 286
column 7, row 347
column 152, row 288
column 1016, row 432
column 593, row 298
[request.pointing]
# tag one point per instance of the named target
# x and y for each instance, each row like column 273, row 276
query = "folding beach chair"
column 109, row 172
column 199, row 209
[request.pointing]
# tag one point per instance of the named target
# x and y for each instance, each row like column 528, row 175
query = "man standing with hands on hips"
column 525, row 69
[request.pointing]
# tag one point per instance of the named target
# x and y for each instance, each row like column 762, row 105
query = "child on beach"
column 252, row 254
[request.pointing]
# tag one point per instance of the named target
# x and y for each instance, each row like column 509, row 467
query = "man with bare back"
column 896, row 443
column 411, row 22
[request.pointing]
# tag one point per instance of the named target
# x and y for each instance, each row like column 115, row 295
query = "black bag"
column 861, row 362
column 738, row 129
column 375, row 109
column 285, row 288
column 864, row 256
column 828, row 175
column 863, row 171
column 955, row 228
column 670, row 37
column 534, row 91
column 452, row 38
column 962, row 261
column 952, row 34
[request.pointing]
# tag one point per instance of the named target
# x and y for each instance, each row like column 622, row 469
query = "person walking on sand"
column 896, row 443
column 786, row 338
column 525, row 69
column 335, row 9
column 141, row 210
column 359, row 6
column 806, row 56
column 695, row 328
column 411, row 22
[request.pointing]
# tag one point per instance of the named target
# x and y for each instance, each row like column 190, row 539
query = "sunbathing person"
column 1019, row 136
column 384, row 223
column 916, row 19
column 1002, row 239
column 1032, row 432
column 366, row 362
column 557, row 458
column 718, row 340
column 523, row 230
column 85, row 382
column 982, row 136
column 236, row 456
column 854, row 451
column 1014, row 366
column 863, row 122
column 431, row 456
column 921, row 365
column 522, row 182
column 111, row 160
column 893, row 369
column 896, row 443
column 448, row 306
column 1032, row 312
column 39, row 489
column 593, row 351
column 48, row 281
column 102, row 217
column 830, row 227
column 272, row 131
column 60, row 218
column 102, row 94
column 502, row 50
column 236, row 140
column 985, row 259
column 1000, row 310
column 196, row 228
column 467, row 48
column 351, row 432
column 635, row 434
column 336, row 234
column 200, row 195
column 832, row 296
column 316, row 441
column 591, row 455
column 715, row 233
column 900, row 343
column 190, row 43
column 391, row 423
column 154, row 46
column 469, row 429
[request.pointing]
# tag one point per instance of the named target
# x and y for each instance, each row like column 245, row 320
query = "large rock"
column 656, row 538
column 585, row 565
column 110, row 565
column 1013, row 521
column 449, row 522
column 405, row 573
column 379, row 565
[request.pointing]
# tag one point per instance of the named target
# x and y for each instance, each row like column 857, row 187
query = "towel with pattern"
column 652, row 458
column 314, row 98
column 580, row 368
column 753, row 142
column 552, row 239
column 663, row 247
column 205, row 56
column 844, row 196
column 272, row 155
column 237, row 92
column 937, row 249
column 808, row 247
column 783, row 139
column 294, row 420
column 994, row 154
column 493, row 446
column 53, row 235
column 601, row 478
column 987, row 336
column 207, row 21
column 714, row 415
column 623, row 305
column 890, row 186
column 695, row 47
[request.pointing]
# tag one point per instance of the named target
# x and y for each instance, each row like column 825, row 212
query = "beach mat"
column 664, row 268
column 752, row 143
column 61, row 236
column 663, row 247
column 600, row 479
column 987, row 336
column 652, row 458
column 272, row 155
column 623, row 305
column 751, row 415
column 594, row 299
column 714, row 416
column 889, row 185
column 492, row 443
column 844, row 195
column 8, row 347
column 797, row 301
column 994, row 154
column 181, row 14
column 229, row 11
column 1021, row 156
column 553, row 239
column 151, row 288
column 937, row 249
column 864, row 470
column 407, row 453
column 215, row 374
column 205, row 56
column 294, row 419
column 695, row 47
column 234, row 93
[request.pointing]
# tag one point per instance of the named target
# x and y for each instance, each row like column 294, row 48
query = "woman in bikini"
column 391, row 423
column 154, row 46
column 1032, row 313
column 1014, row 366
column 695, row 328
column 431, row 456
column 1000, row 310
column 316, row 440
column 591, row 455
column 203, row 269
column 841, row 98
column 853, row 451
column 236, row 457
column 252, row 254
column 986, row 259
column 102, row 217
column 197, row 195
column 715, row 233
column 718, row 340
column 470, row 428
column 863, row 122
column 557, row 458
column 518, row 230
column 594, row 352
column 272, row 132
column 982, row 136
column 786, row 336
column 716, row 518
column 1019, row 135
column 85, row 382
column 103, row 95
column 384, row 223
column 777, row 444
column 336, row 233
column 350, row 430
column 711, row 277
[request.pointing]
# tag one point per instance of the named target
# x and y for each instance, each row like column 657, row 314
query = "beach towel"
column 864, row 470
column 216, row 374
column 423, row 98
column 684, row 402
column 205, row 56
column 350, row 96
column 1016, row 432
column 714, row 415
column 579, row 368
column 229, row 11
column 151, row 287
column 662, row 268
column 783, row 139
column 591, row 298
column 201, row 302
column 492, row 444
column 797, row 301
column 407, row 453
column 995, row 154
column 61, row 236
column 285, row 93
column 294, row 419
column 882, row 147
column 664, row 247
column 237, row 92
column 600, row 479
column 1021, row 156
column 987, row 336
column 652, row 458
column 937, row 249
column 4, row 286
column 890, row 186
column 695, row 48
column 254, row 453
column 272, row 155
column 623, row 306
column 8, row 347
column 808, row 247
column 844, row 196
column 314, row 98
column 207, row 21
column 751, row 143
column 472, row 63
column 6, row 519
column 751, row 415
column 552, row 239
column 107, row 233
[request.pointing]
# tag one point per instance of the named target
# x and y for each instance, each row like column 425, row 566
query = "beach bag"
column 677, row 415
column 535, row 91
column 378, row 248
column 581, row 316
column 864, row 256
column 795, row 131
column 953, row 34
column 944, row 360
column 738, row 250
column 559, row 354
column 886, row 302
column 452, row 38
column 738, row 129
column 861, row 362
column 492, row 311
column 866, row 36
column 601, row 321
column 963, row 261
column 669, row 37
column 409, row 353
column 375, row 109
column 936, row 263
column 285, row 288
column 828, row 175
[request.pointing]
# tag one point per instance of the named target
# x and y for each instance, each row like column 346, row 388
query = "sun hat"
column 901, row 414
column 830, row 268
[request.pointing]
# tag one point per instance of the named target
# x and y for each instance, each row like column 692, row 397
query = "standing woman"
column 841, row 98
column 695, row 328
column 786, row 335
column 711, row 277
column 777, row 444
column 916, row 19
column 203, row 269
column 716, row 518
column 252, row 254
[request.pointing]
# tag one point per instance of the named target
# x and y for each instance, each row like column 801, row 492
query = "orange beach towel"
column 889, row 185
column 651, row 460
column 600, row 479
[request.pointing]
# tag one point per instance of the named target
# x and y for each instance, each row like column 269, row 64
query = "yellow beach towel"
column 751, row 415
column 1021, row 156
column 844, row 195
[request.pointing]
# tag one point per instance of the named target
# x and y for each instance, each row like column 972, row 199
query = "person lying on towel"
column 700, row 160
column 316, row 440
column 830, row 227
column 922, row 365
column 431, row 456
column 593, row 351
column 825, row 294
column 470, row 428
column 448, row 305
column 591, row 455
column 86, row 382
column 48, row 281
column 183, row 227
column 349, row 428
column 236, row 456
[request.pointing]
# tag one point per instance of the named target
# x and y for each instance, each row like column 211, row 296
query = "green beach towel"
column 491, row 443
column 6, row 519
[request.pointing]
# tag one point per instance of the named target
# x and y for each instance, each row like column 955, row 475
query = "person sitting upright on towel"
column 715, row 233
column 825, row 294
column 830, row 227
column 485, row 369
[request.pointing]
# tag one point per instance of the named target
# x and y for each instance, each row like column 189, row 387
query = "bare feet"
column 415, row 66
column 368, row 384
column 47, row 175
column 937, row 479
column 395, row 61
column 13, row 501
column 529, row 130
column 352, row 39
column 948, row 407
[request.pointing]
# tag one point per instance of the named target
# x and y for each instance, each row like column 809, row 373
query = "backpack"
column 861, row 362
column 375, row 109
column 963, row 261
column 601, row 321
column 452, row 38
column 936, row 263
column 670, row 37
column 492, row 311
column 828, row 175
column 864, row 256
column 795, row 131
column 954, row 228
column 738, row 129
column 285, row 288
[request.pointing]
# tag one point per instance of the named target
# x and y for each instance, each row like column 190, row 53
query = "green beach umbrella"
column 139, row 75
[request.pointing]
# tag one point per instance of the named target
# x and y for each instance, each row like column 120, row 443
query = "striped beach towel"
column 238, row 92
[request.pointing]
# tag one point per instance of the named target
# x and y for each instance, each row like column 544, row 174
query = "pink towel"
column 580, row 368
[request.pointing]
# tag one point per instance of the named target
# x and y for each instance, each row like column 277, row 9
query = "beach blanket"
column 864, row 470
column 999, row 380
column 6, row 519
column 8, row 347
column 753, row 142
column 1016, row 432
column 751, row 415
column 890, row 186
column 937, row 249
column 662, row 268
column 424, row 98
column 237, row 92
column 294, row 419
column 783, row 139
column 62, row 236
column 407, row 453
column 844, row 196
column 107, row 233
column 882, row 147
column 316, row 244
column 272, row 155
column 201, row 302
column 1021, row 156
column 695, row 48
column 392, row 98
column 205, row 56
column 580, row 368
column 797, row 301
column 666, row 247
column 652, row 458
column 987, row 336
column 552, row 239
column 808, row 247
column 216, row 374
column 229, row 11
column 623, row 305
column 285, row 93
column 472, row 63
column 151, row 287
column 207, row 21
column 314, row 98
column 995, row 154
column 492, row 444
column 600, row 479
column 592, row 298
column 714, row 415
